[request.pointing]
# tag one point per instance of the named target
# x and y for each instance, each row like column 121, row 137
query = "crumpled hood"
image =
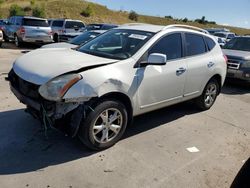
column 59, row 45
column 41, row 65
column 237, row 54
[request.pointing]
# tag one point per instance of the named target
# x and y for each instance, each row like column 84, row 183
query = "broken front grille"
column 25, row 88
column 233, row 64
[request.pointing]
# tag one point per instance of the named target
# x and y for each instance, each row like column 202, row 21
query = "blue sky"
column 235, row 13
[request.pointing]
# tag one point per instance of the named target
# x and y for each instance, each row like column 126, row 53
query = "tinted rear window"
column 34, row 22
column 195, row 44
column 73, row 24
column 210, row 43
column 57, row 23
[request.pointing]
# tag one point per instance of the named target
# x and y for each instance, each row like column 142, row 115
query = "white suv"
column 136, row 68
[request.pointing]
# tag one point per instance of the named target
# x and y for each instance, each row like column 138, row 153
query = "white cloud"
column 246, row 22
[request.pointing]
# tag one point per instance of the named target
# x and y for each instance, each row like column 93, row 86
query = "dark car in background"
column 28, row 29
column 66, row 29
column 102, row 26
column 77, row 41
column 237, row 51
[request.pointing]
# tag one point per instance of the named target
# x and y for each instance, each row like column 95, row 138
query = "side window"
column 18, row 21
column 171, row 45
column 57, row 23
column 210, row 43
column 194, row 44
column 12, row 20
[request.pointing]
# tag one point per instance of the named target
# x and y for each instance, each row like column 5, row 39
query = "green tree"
column 87, row 12
column 16, row 10
column 133, row 16
column 38, row 12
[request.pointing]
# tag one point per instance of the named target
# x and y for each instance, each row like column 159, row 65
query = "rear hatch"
column 38, row 29
column 74, row 27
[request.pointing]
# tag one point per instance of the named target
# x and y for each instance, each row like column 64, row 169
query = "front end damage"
column 63, row 115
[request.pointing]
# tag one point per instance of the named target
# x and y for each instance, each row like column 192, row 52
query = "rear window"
column 57, row 23
column 210, row 43
column 194, row 44
column 73, row 24
column 35, row 22
column 220, row 35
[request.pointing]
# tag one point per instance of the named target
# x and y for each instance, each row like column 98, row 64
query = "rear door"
column 197, row 63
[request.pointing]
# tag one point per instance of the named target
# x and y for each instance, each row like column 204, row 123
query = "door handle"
column 210, row 64
column 180, row 71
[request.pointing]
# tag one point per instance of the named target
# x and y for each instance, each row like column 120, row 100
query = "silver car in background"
column 66, row 29
column 28, row 29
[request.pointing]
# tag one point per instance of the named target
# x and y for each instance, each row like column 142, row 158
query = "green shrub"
column 38, row 12
column 16, row 10
column 87, row 12
column 32, row 2
column 27, row 9
column 133, row 16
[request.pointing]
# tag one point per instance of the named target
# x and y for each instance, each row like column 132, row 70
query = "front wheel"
column 209, row 95
column 104, row 125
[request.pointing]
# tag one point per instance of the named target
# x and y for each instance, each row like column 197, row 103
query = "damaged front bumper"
column 48, row 112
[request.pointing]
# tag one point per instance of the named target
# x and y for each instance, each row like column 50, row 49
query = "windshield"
column 83, row 38
column 117, row 44
column 35, row 22
column 74, row 24
column 239, row 43
column 220, row 35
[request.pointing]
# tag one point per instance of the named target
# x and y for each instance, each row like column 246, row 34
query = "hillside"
column 72, row 9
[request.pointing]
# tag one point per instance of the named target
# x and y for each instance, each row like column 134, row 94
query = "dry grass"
column 73, row 8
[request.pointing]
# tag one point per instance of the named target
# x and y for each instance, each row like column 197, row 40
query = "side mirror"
column 157, row 59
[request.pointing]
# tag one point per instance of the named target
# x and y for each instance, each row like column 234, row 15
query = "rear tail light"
column 225, row 57
column 22, row 30
column 50, row 32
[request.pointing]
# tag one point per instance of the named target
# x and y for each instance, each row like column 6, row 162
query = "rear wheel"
column 209, row 95
column 56, row 38
column 104, row 125
column 17, row 41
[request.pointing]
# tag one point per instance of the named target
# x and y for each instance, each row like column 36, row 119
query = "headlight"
column 55, row 89
column 245, row 64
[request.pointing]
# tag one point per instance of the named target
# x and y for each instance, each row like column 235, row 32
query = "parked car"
column 225, row 35
column 125, row 72
column 216, row 30
column 237, row 51
column 3, row 23
column 66, row 29
column 28, row 29
column 77, row 41
column 102, row 26
column 221, row 41
column 1, row 38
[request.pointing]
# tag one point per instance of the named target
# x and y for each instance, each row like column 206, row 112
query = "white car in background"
column 97, row 89
column 77, row 41
column 225, row 35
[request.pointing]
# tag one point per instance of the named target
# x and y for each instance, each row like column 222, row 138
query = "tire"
column 1, row 44
column 56, row 38
column 209, row 95
column 5, row 37
column 17, row 41
column 98, row 134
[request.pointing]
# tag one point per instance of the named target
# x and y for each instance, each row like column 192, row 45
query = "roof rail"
column 187, row 27
column 128, row 24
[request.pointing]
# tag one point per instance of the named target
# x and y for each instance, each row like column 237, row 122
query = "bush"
column 27, row 9
column 16, row 10
column 133, row 16
column 185, row 20
column 32, row 2
column 38, row 12
column 87, row 12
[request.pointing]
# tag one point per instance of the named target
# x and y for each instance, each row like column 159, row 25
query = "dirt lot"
column 152, row 153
